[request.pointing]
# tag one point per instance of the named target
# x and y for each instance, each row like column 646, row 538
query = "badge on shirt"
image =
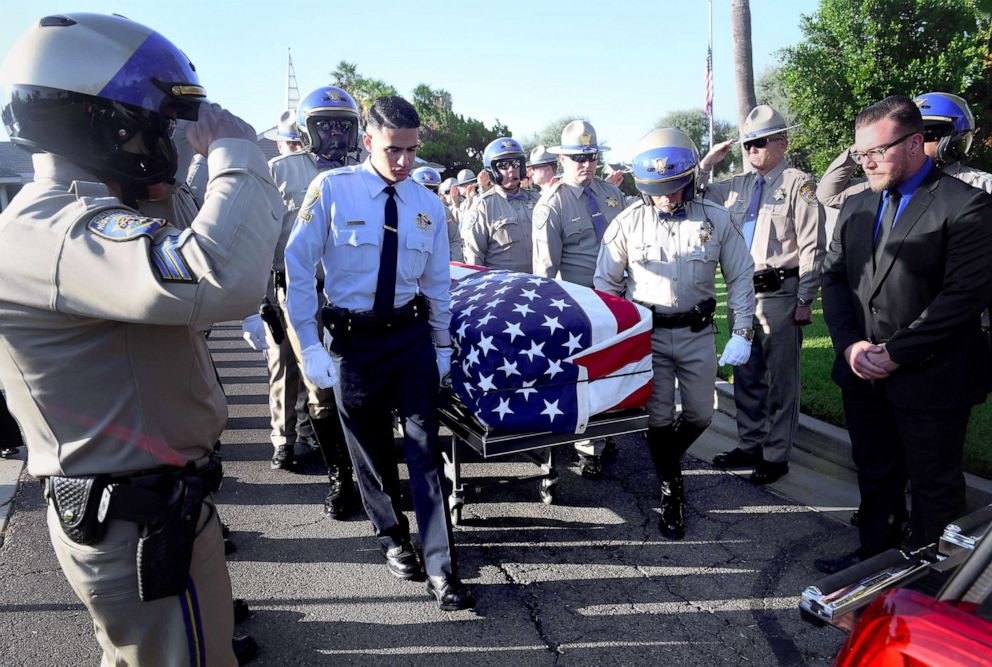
column 612, row 202
column 169, row 263
column 541, row 215
column 306, row 209
column 808, row 193
column 121, row 225
column 423, row 222
column 779, row 194
column 705, row 232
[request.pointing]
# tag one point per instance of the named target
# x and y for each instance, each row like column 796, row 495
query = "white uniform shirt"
column 341, row 225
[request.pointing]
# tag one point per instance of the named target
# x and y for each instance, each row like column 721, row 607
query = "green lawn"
column 821, row 397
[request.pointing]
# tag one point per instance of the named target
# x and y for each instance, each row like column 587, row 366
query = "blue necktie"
column 518, row 195
column 597, row 216
column 385, row 286
column 886, row 223
column 751, row 219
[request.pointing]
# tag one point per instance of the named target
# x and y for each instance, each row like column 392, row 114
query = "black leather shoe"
column 282, row 458
column 835, row 565
column 9, row 452
column 245, row 648
column 672, row 519
column 241, row 611
column 590, row 467
column 340, row 494
column 449, row 591
column 610, row 448
column 402, row 563
column 767, row 472
column 736, row 458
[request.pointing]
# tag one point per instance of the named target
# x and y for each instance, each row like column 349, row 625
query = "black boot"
column 672, row 498
column 330, row 440
column 666, row 445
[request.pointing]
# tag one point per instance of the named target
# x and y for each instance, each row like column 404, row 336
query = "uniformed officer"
column 497, row 229
column 776, row 210
column 384, row 248
column 327, row 120
column 430, row 178
column 569, row 222
column 103, row 357
column 664, row 250
column 542, row 167
column 467, row 183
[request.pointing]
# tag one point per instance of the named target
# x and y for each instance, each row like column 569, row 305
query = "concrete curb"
column 10, row 472
column 831, row 443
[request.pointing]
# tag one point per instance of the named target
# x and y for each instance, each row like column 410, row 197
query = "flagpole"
column 711, row 71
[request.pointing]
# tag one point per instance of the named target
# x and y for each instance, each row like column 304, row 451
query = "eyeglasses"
column 584, row 157
column 507, row 165
column 936, row 132
column 878, row 154
column 760, row 143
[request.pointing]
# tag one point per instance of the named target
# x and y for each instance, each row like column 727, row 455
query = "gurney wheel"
column 456, row 515
column 549, row 491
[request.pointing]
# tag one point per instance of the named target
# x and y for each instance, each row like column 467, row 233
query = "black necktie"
column 385, row 287
column 888, row 219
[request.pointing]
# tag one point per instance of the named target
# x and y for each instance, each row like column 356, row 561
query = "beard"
column 880, row 182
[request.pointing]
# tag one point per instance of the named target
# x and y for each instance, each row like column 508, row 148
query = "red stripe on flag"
column 637, row 399
column 602, row 363
column 623, row 311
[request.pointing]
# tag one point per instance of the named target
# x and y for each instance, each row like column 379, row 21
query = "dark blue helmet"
column 101, row 91
column 499, row 150
column 327, row 120
column 665, row 163
column 948, row 120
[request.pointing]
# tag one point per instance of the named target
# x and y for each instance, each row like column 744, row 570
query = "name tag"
column 352, row 223
column 577, row 220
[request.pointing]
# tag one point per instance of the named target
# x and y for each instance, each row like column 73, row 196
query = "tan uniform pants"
column 190, row 630
column 689, row 357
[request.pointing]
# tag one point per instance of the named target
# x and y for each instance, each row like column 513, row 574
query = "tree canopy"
column 694, row 123
column 856, row 52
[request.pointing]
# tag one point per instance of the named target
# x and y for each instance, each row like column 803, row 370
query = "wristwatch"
column 804, row 302
column 746, row 334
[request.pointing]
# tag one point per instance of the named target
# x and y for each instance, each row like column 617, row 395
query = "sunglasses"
column 509, row 164
column 583, row 158
column 333, row 126
column 760, row 143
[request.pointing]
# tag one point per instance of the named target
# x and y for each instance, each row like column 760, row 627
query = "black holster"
column 76, row 500
column 165, row 547
column 702, row 314
column 767, row 280
column 270, row 315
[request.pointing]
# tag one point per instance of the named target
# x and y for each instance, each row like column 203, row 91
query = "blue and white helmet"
column 498, row 150
column 101, row 91
column 427, row 176
column 327, row 120
column 665, row 162
column 948, row 120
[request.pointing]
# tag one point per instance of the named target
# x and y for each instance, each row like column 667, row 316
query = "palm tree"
column 740, row 21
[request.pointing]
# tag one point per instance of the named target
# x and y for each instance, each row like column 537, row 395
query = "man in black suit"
column 904, row 285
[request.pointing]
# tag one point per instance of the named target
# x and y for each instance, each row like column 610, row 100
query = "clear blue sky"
column 622, row 64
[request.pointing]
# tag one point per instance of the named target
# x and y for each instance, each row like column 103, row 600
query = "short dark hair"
column 899, row 108
column 393, row 112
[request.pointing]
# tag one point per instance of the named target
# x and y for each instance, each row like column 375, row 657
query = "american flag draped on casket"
column 535, row 354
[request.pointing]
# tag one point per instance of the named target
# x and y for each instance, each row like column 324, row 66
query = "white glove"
column 444, row 364
column 253, row 331
column 736, row 352
column 318, row 367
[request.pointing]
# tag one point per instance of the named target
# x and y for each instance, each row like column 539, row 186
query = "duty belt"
column 343, row 321
column 697, row 319
column 772, row 278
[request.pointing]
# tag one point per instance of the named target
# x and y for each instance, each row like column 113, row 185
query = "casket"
column 536, row 354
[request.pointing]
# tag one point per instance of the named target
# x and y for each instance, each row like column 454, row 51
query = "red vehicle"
column 914, row 610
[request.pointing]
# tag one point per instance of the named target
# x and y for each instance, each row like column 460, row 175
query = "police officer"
column 430, row 178
column 497, row 229
column 776, row 210
column 467, row 183
column 127, row 469
column 542, row 168
column 382, row 243
column 665, row 249
column 569, row 222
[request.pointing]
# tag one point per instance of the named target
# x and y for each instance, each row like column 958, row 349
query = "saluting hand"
column 213, row 123
column 716, row 154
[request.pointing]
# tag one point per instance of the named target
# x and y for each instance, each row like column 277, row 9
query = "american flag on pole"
column 535, row 354
column 708, row 108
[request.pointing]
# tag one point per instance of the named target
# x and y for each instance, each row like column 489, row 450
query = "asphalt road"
column 587, row 581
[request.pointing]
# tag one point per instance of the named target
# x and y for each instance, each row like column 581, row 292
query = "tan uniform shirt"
column 789, row 231
column 292, row 174
column 102, row 313
column 565, row 240
column 497, row 230
column 671, row 263
column 454, row 237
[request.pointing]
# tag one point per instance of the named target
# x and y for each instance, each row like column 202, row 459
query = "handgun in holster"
column 702, row 314
column 165, row 546
column 270, row 315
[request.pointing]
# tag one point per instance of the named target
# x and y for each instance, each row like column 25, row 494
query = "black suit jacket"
column 924, row 299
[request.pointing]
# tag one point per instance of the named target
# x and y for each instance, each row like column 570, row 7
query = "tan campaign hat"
column 578, row 137
column 763, row 121
column 465, row 176
column 286, row 130
column 540, row 155
column 446, row 185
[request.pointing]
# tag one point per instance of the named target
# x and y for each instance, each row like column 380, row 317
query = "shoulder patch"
column 309, row 201
column 808, row 193
column 541, row 214
column 123, row 225
column 169, row 263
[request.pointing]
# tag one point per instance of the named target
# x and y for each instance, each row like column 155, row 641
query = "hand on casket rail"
column 736, row 352
column 444, row 364
column 253, row 331
column 318, row 367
